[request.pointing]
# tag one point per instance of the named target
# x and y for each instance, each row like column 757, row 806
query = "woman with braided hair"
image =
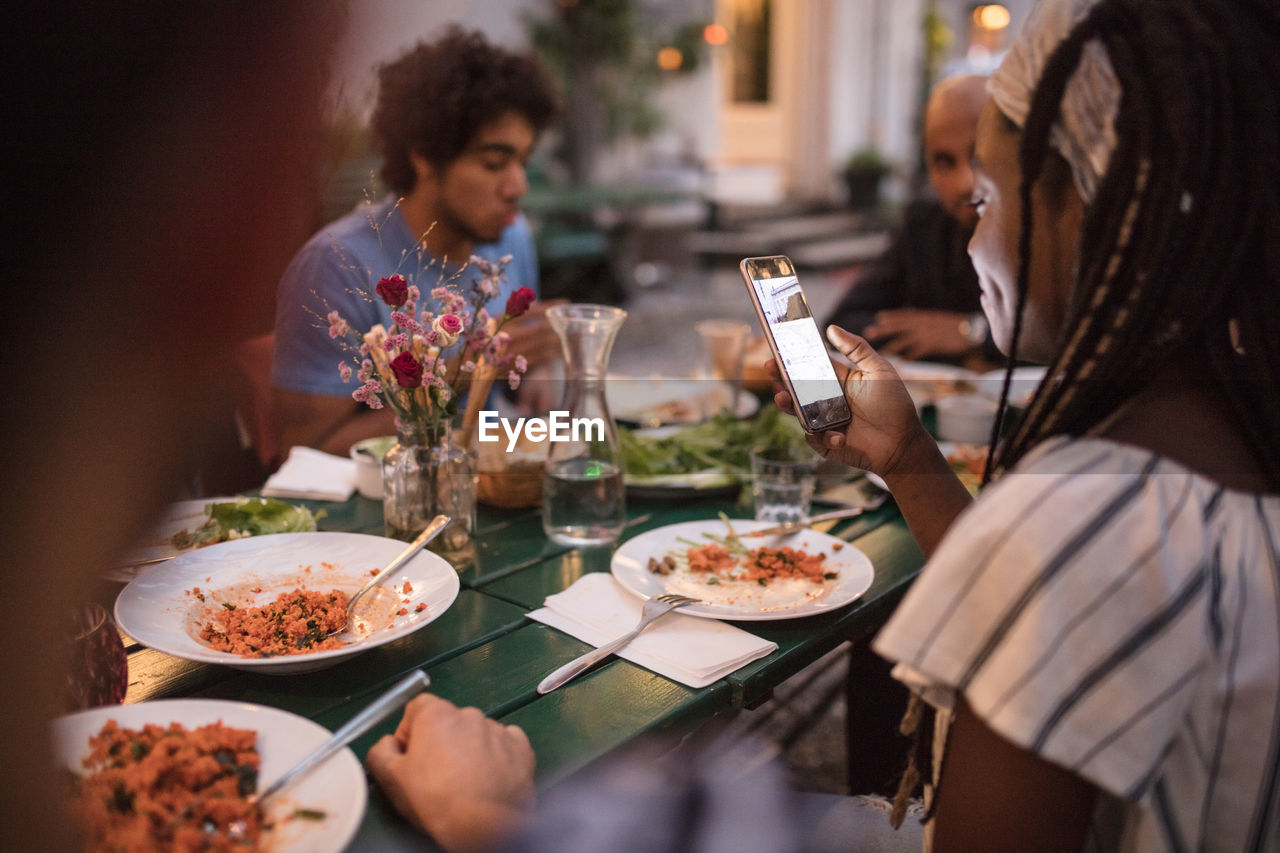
column 1100, row 631
column 1094, row 643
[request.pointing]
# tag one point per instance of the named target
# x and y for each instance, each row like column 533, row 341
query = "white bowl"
column 369, row 468
column 966, row 418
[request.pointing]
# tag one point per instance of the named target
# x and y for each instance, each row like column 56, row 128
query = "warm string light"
column 991, row 17
column 670, row 59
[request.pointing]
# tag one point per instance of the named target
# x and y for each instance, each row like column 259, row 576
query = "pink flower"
column 414, row 293
column 519, row 302
column 344, row 370
column 406, row 322
column 468, row 366
column 448, row 327
column 513, row 379
column 337, row 326
column 522, row 364
column 499, row 343
column 408, row 370
column 394, row 290
column 440, row 294
column 368, row 394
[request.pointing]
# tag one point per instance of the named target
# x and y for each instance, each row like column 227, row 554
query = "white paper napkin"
column 688, row 649
column 312, row 475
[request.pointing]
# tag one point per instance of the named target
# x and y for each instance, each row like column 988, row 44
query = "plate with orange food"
column 743, row 578
column 267, row 604
column 144, row 771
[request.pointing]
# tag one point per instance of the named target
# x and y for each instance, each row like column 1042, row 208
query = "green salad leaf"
column 249, row 517
column 722, row 444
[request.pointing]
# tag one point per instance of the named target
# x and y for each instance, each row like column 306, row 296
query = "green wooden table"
column 484, row 651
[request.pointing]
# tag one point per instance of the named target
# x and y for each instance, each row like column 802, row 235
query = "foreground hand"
column 885, row 424
column 532, row 336
column 915, row 333
column 454, row 773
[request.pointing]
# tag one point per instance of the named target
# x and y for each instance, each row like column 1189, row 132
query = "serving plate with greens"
column 710, row 458
column 187, row 525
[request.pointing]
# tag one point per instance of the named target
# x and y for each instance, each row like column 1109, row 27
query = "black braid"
column 1183, row 235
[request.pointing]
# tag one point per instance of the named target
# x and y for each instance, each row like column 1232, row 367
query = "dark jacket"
column 926, row 266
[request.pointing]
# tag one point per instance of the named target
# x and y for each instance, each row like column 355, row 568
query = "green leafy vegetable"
column 722, row 444
column 251, row 517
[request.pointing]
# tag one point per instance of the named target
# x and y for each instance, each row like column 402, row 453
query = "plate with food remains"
column 266, row 604
column 146, row 770
column 968, row 461
column 743, row 578
column 657, row 400
column 187, row 525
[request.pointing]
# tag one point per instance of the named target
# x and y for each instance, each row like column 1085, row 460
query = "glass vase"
column 426, row 474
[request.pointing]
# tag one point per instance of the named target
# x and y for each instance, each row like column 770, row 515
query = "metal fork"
column 653, row 608
column 788, row 527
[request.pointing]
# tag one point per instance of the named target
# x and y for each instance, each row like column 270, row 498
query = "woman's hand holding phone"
column 885, row 427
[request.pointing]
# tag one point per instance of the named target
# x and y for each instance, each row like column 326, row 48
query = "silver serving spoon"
column 428, row 533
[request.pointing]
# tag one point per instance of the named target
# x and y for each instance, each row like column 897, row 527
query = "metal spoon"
column 408, row 687
column 428, row 533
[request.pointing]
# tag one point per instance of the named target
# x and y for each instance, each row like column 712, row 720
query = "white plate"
column 1021, row 388
column 789, row 599
column 183, row 515
column 159, row 609
column 655, row 400
column 336, row 787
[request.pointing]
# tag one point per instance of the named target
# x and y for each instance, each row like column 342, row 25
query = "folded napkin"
column 688, row 649
column 312, row 475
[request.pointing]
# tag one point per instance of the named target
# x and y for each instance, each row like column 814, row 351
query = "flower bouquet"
column 436, row 352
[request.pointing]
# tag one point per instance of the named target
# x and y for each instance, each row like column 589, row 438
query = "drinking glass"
column 97, row 667
column 724, row 343
column 782, row 480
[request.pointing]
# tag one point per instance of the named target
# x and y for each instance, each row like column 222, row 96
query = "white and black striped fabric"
column 1118, row 615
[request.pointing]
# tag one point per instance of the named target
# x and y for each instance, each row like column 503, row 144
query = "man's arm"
column 331, row 424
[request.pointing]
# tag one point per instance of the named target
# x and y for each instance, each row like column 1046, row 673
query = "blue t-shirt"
column 338, row 268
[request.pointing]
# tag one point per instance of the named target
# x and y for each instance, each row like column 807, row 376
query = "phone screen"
column 797, row 341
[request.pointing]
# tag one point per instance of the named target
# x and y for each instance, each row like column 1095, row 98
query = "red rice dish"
column 140, row 783
column 296, row 623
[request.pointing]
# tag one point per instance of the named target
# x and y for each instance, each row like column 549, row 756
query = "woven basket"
column 516, row 486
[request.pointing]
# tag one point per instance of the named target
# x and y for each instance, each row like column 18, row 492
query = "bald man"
column 920, row 300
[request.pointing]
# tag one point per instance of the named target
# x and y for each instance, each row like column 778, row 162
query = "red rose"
column 408, row 370
column 519, row 302
column 394, row 290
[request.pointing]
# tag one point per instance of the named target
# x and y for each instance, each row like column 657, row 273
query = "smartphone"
column 796, row 342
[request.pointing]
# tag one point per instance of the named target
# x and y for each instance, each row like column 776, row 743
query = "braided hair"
column 1180, row 249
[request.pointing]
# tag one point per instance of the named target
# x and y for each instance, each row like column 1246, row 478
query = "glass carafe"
column 582, row 493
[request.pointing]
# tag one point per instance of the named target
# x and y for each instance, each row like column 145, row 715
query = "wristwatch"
column 974, row 328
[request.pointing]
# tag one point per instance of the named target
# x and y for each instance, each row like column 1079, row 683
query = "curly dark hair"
column 436, row 97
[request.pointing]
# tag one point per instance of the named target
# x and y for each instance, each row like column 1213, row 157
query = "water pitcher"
column 582, row 493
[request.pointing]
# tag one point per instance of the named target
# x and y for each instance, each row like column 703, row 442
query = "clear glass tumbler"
column 782, row 481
